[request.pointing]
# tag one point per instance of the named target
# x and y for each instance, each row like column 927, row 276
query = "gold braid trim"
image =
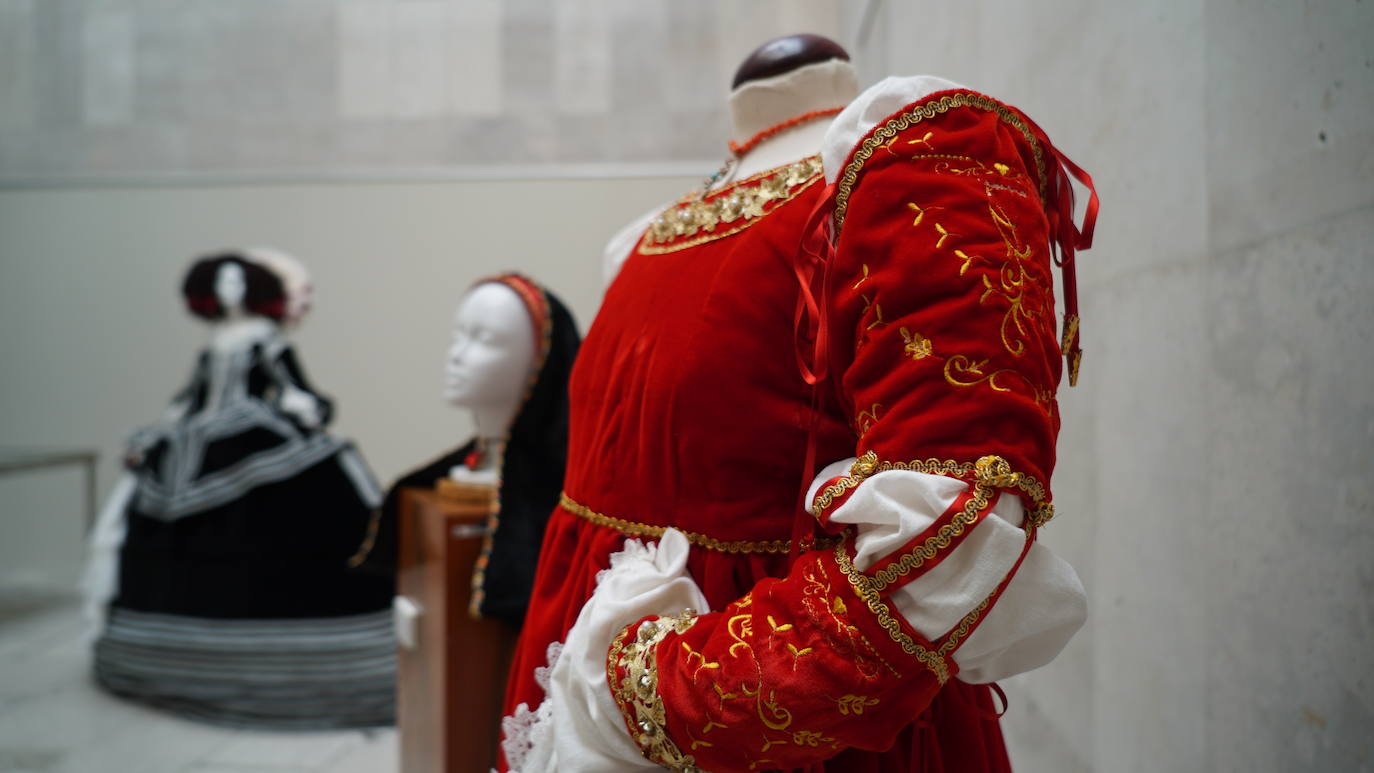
column 635, row 529
column 863, row 586
column 926, row 110
column 957, row 635
column 637, row 693
column 868, row 465
column 990, row 473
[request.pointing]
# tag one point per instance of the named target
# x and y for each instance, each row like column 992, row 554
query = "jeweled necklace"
column 738, row 149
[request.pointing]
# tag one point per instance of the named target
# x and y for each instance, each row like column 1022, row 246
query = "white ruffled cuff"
column 578, row 728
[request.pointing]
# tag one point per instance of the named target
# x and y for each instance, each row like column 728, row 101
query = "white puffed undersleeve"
column 1042, row 607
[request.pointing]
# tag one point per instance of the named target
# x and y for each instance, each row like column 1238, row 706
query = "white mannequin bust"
column 488, row 367
column 757, row 105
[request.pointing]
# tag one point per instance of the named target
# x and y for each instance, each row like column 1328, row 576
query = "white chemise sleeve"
column 1040, row 610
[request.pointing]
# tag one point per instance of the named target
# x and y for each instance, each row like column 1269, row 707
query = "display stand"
column 452, row 667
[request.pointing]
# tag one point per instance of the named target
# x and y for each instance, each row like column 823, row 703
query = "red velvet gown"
column 688, row 409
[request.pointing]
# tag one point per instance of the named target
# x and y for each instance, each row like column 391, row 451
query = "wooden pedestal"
column 453, row 680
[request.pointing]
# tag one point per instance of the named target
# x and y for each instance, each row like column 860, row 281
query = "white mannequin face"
column 491, row 355
column 230, row 287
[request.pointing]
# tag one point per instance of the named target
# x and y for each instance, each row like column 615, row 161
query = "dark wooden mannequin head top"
column 785, row 54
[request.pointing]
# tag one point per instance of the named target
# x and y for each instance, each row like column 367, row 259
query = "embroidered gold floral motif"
column 877, row 310
column 772, row 714
column 809, row 738
column 943, row 236
column 920, row 212
column 854, row 704
column 634, row 529
column 862, row 279
column 696, row 220
column 960, row 371
column 866, row 418
column 923, row 140
column 847, row 640
column 918, row 347
column 637, row 692
column 922, row 112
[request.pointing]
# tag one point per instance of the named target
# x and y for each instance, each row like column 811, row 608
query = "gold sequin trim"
column 634, row 529
column 637, row 693
column 729, row 210
column 888, row 131
column 863, row 586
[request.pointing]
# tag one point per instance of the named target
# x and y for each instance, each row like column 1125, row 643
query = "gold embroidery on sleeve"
column 923, row 141
column 848, row 177
column 854, row 704
column 920, row 212
column 860, row 582
column 918, row 347
column 865, row 419
column 943, row 236
column 960, row 370
column 863, row 279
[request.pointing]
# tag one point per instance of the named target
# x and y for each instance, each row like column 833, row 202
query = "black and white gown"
column 233, row 600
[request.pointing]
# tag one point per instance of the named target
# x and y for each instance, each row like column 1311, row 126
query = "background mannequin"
column 513, row 348
column 488, row 367
column 226, row 544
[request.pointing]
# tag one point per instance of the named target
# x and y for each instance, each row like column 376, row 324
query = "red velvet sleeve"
column 796, row 671
column 942, row 327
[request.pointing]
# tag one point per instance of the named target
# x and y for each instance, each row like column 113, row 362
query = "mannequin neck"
column 492, row 422
column 237, row 331
column 762, row 104
column 483, row 466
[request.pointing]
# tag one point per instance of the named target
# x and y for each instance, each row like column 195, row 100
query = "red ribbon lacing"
column 811, row 263
column 1066, row 239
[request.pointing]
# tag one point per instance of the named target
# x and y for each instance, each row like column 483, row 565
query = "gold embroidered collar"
column 696, row 219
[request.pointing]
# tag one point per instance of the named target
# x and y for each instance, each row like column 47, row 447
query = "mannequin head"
column 295, row 279
column 227, row 286
column 783, row 79
column 491, row 356
column 231, row 286
column 785, row 54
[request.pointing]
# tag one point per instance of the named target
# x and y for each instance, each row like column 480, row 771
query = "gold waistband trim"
column 634, row 529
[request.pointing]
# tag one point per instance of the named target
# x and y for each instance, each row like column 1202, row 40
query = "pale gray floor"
column 54, row 720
